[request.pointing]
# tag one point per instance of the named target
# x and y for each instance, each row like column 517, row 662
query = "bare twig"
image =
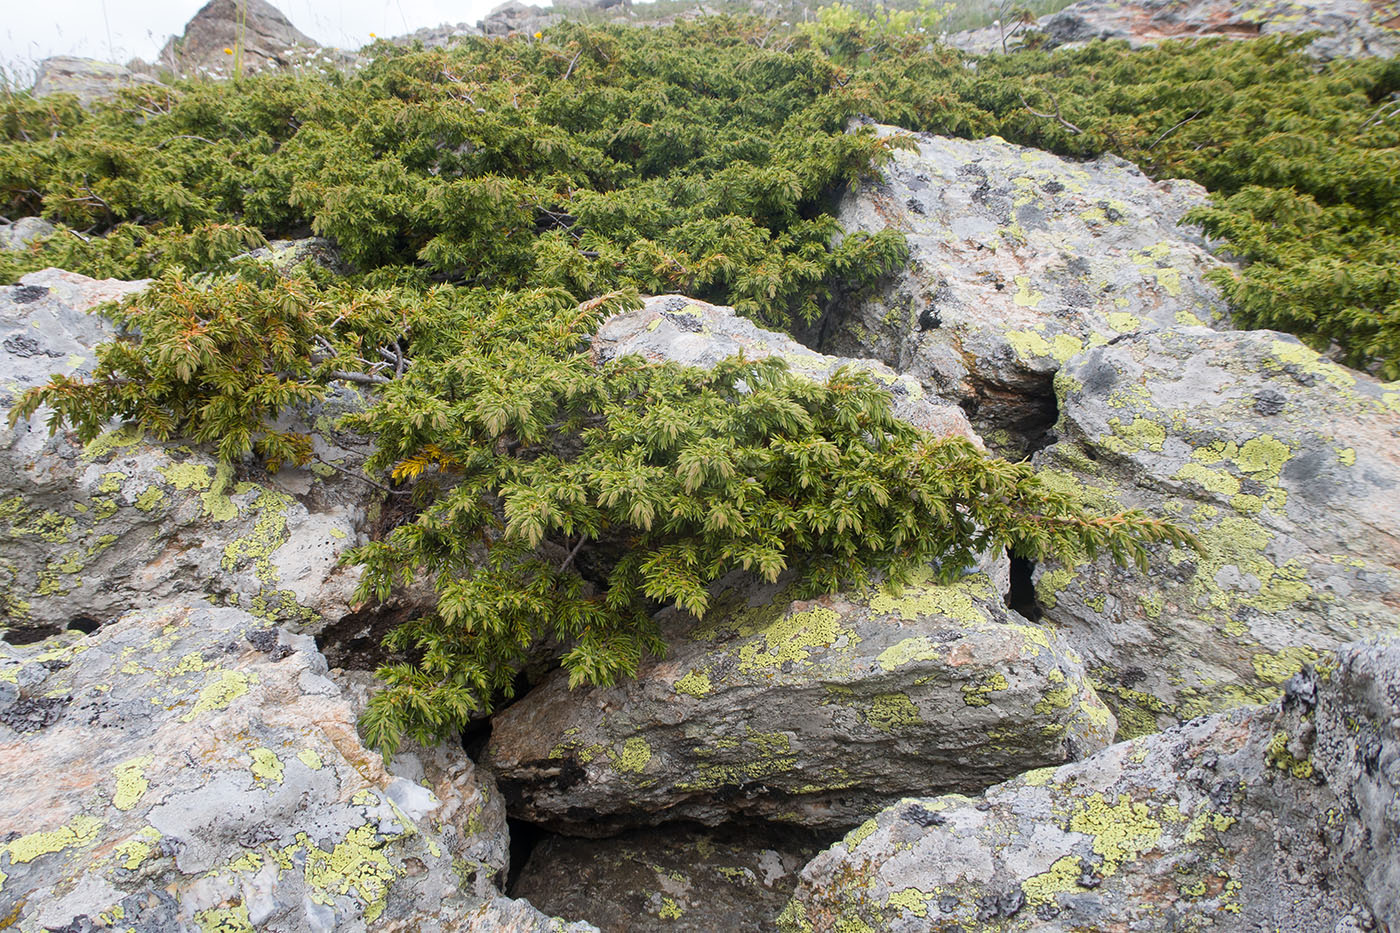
column 570, row 70
column 361, row 478
column 173, row 138
column 361, row 378
column 1173, row 128
column 1052, row 116
column 572, row 554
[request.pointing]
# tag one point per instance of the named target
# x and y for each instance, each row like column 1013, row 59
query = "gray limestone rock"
column 244, row 36
column 1278, row 818
column 88, row 532
column 86, row 78
column 504, row 915
column 812, row 712
column 677, row 879
column 190, row 768
column 1285, row 466
column 1019, row 260
column 1346, row 28
column 693, row 333
column 22, row 232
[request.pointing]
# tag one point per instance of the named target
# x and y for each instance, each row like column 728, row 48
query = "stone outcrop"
column 193, row 768
column 254, row 32
column 517, row 18
column 88, row 532
column 1019, row 260
column 504, row 915
column 1283, row 817
column 1347, row 28
column 1285, row 466
column 672, row 328
column 87, row 79
column 19, row 234
column 813, row 712
column 679, row 879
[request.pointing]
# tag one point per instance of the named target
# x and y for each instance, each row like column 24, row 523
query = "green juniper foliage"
column 488, row 194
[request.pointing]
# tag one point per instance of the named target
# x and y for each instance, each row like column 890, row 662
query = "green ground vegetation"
column 496, row 199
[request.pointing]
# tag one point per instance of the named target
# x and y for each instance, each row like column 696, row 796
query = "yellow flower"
column 373, row 36
column 228, row 51
column 539, row 35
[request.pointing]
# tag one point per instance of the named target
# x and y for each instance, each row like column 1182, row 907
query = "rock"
column 471, row 815
column 87, row 533
column 517, row 18
column 1280, row 818
column 255, row 34
column 286, row 255
column 693, row 333
column 1019, row 260
column 1349, row 28
column 503, row 915
column 1286, row 467
column 680, row 879
column 199, row 771
column 437, row 37
column 24, row 231
column 87, row 79
column 814, row 712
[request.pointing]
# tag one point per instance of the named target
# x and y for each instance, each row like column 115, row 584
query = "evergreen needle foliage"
column 488, row 194
column 564, row 503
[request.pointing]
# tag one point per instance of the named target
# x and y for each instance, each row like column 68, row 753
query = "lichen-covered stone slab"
column 1278, row 818
column 506, row 915
column 681, row 330
column 1285, row 466
column 1019, row 260
column 87, row 533
column 814, row 712
column 1345, row 28
column 681, row 879
column 190, row 768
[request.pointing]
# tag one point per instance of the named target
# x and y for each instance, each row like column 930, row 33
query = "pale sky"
column 119, row 30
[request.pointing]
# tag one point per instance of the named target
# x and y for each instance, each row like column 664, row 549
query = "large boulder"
column 1019, row 260
column 1280, row 818
column 20, row 233
column 1285, row 466
column 192, row 768
column 251, row 34
column 87, row 79
column 677, row 879
column 514, row 18
column 88, row 532
column 814, row 712
column 672, row 328
column 1344, row 28
column 1348, row 28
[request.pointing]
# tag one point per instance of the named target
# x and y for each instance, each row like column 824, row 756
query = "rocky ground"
column 1211, row 745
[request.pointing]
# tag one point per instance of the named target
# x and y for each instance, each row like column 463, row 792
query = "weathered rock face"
column 680, row 879
column 88, row 533
column 516, row 18
column 693, row 333
column 1282, row 818
column 504, row 915
column 86, row 78
column 1348, row 28
column 24, row 231
column 191, row 768
column 263, row 38
column 812, row 712
column 1286, row 467
column 1019, row 260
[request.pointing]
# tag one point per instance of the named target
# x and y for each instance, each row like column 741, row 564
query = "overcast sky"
column 119, row 30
